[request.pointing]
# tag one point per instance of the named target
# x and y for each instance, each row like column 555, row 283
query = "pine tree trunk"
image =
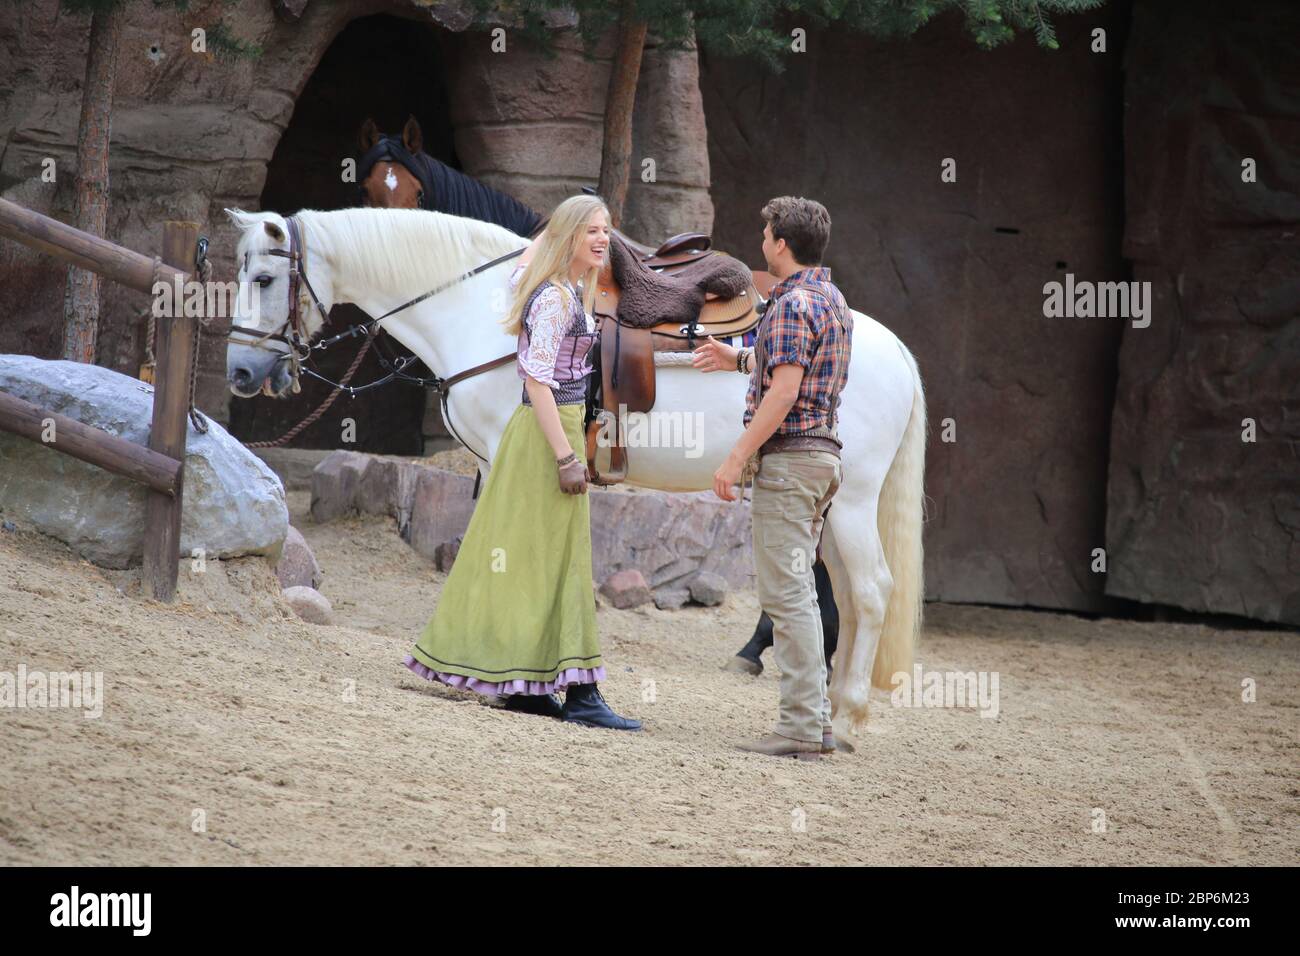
column 616, row 156
column 81, row 300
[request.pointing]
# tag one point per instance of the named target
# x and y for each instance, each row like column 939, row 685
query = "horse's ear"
column 369, row 135
column 241, row 219
column 412, row 137
column 274, row 231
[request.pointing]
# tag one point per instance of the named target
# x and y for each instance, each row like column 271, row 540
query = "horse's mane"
column 404, row 250
column 462, row 195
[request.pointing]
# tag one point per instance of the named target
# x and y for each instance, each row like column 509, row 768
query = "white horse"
column 382, row 258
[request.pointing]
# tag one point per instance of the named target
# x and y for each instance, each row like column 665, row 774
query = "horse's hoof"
column 843, row 745
column 844, row 731
column 743, row 665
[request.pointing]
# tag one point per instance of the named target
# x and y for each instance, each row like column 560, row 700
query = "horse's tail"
column 900, row 516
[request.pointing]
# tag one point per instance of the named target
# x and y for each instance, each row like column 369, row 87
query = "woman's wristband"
column 571, row 456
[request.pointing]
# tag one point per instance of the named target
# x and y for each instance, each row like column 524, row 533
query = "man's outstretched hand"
column 713, row 356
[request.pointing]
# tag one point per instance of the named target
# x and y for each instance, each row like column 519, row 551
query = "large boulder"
column 233, row 503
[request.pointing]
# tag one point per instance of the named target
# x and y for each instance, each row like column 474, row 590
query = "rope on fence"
column 204, row 269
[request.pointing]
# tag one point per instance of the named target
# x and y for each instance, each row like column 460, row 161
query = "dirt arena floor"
column 232, row 733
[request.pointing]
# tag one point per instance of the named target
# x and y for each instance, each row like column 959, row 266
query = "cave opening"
column 386, row 68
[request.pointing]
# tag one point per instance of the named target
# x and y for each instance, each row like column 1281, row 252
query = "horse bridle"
column 292, row 332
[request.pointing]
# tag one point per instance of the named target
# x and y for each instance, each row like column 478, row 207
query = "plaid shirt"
column 799, row 328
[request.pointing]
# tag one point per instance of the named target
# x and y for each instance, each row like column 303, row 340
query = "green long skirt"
column 517, row 614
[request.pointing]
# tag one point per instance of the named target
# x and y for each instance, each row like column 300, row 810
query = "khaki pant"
column 792, row 490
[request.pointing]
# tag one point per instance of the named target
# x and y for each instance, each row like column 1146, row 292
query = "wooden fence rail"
column 124, row 266
column 160, row 467
column 90, row 444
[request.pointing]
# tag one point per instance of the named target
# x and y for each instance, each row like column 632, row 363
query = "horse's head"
column 389, row 184
column 265, row 329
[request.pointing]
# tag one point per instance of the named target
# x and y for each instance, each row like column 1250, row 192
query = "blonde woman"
column 517, row 614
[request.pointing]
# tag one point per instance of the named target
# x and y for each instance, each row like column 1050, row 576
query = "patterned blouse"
column 555, row 342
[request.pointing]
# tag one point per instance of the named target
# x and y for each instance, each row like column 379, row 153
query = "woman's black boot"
column 584, row 705
column 544, row 705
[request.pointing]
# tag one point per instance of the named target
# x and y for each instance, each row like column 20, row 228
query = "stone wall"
column 669, row 538
column 191, row 134
column 1199, row 517
column 531, row 126
column 1017, row 501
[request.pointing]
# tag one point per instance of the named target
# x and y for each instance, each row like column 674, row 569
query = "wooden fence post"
column 174, row 352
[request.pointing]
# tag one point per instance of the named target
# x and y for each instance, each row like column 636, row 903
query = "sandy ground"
column 233, row 733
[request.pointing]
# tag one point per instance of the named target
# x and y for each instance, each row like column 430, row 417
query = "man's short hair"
column 804, row 224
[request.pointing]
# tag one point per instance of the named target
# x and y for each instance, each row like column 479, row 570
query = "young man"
column 800, row 362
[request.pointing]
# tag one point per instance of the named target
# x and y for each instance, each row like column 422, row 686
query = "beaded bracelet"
column 571, row 456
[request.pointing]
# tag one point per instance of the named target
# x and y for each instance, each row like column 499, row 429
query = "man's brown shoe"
column 774, row 745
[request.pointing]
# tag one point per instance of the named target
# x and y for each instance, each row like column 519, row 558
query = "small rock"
column 708, row 588
column 444, row 555
column 670, row 599
column 8, row 525
column 309, row 604
column 626, row 589
column 298, row 566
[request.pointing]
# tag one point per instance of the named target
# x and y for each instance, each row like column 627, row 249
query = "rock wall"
column 1199, row 517
column 957, row 269
column 192, row 134
column 1068, row 434
column 531, row 126
column 669, row 538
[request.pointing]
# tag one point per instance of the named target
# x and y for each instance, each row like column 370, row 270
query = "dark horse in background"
column 394, row 172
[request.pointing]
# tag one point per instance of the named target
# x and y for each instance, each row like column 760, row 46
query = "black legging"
column 762, row 638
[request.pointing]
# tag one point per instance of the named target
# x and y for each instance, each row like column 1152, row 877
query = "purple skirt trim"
column 574, row 675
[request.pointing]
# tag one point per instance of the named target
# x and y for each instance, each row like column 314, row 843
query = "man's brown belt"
column 799, row 443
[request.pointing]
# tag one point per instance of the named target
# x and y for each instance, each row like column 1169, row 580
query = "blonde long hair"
column 565, row 231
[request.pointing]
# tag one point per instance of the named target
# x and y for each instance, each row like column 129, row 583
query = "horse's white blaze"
column 873, row 546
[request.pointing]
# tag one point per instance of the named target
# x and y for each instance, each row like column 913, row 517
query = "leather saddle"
column 662, row 300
